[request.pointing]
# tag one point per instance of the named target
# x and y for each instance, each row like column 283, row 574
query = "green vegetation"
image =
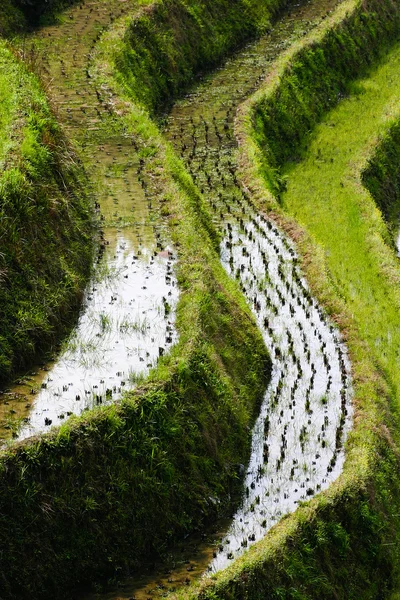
column 321, row 71
column 382, row 177
column 45, row 222
column 170, row 42
column 11, row 19
column 344, row 543
column 106, row 490
column 325, row 196
column 112, row 487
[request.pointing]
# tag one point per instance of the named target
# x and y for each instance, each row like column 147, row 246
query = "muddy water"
column 127, row 320
column 297, row 447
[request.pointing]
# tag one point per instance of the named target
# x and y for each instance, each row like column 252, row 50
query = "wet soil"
column 127, row 318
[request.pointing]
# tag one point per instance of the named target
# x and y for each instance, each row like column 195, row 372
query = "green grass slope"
column 46, row 225
column 172, row 41
column 326, row 197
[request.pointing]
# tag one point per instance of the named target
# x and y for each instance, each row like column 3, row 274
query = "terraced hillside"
column 46, row 222
column 168, row 457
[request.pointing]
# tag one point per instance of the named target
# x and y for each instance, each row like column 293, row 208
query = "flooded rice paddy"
column 298, row 437
column 297, row 443
column 128, row 317
column 123, row 329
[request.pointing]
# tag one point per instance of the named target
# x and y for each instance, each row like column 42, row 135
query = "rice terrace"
column 199, row 299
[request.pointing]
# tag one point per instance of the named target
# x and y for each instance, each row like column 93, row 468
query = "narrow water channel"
column 297, row 447
column 128, row 314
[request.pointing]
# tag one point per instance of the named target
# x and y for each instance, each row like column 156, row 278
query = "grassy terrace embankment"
column 343, row 544
column 115, row 485
column 45, row 222
column 171, row 42
column 111, row 488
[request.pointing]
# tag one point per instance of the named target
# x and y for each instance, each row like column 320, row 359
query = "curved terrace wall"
column 173, row 41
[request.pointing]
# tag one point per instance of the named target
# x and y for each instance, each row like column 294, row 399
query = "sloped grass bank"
column 46, row 224
column 382, row 178
column 12, row 19
column 109, row 491
column 345, row 542
column 171, row 42
column 113, row 487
